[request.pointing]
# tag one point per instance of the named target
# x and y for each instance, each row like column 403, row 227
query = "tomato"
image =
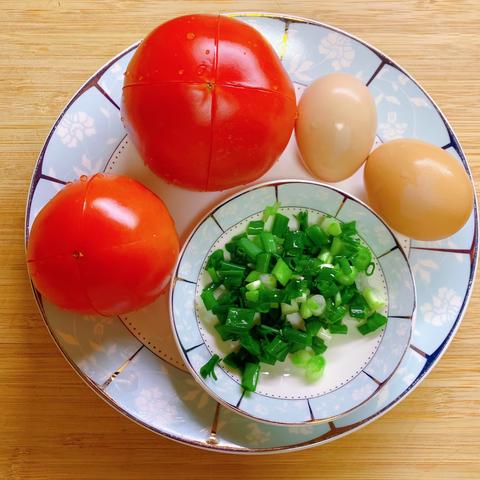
column 207, row 102
column 104, row 245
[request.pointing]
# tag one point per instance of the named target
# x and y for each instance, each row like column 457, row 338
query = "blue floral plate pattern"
column 131, row 361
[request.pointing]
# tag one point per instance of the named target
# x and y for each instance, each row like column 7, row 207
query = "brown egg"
column 418, row 188
column 336, row 126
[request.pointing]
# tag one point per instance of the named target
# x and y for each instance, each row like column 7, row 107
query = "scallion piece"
column 280, row 225
column 252, row 276
column 252, row 296
column 373, row 299
column 239, row 320
column 301, row 358
column 255, row 227
column 209, row 299
column 268, row 242
column 317, row 235
column 331, row 226
column 314, row 368
column 255, row 285
column 282, row 272
column 270, row 211
column 292, row 335
column 209, row 368
column 250, row 344
column 250, row 376
column 263, row 262
column 338, row 328
column 318, row 346
column 249, row 247
column 288, row 308
column 373, row 323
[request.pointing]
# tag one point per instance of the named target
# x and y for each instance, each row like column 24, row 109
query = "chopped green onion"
column 318, row 274
column 213, row 274
column 373, row 299
column 250, row 376
column 336, row 247
column 349, row 229
column 313, row 325
column 231, row 267
column 268, row 242
column 301, row 358
column 255, row 227
column 325, row 256
column 338, row 328
column 225, row 333
column 292, row 335
column 370, row 269
column 255, row 285
column 345, row 265
column 233, row 361
column 317, row 235
column 250, row 344
column 362, row 259
column 252, row 276
column 287, row 308
column 331, row 226
column 359, row 308
column 294, row 243
column 249, row 247
column 318, row 346
column 277, row 348
column 295, row 319
column 215, row 259
column 263, row 262
column 252, row 296
column 266, row 330
column 314, row 368
column 346, row 279
column 305, row 312
column 239, row 320
column 209, row 368
column 302, row 219
column 268, row 280
column 280, row 225
column 209, row 299
column 373, row 323
column 335, row 314
column 282, row 272
column 270, row 211
column 338, row 299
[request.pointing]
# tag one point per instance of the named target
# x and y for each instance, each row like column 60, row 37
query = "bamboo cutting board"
column 51, row 425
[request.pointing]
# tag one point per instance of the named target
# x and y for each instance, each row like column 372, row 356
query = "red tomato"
column 104, row 245
column 207, row 102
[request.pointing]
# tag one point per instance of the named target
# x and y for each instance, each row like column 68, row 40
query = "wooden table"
column 52, row 425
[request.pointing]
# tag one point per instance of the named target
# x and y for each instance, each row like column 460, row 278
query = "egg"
column 336, row 126
column 418, row 188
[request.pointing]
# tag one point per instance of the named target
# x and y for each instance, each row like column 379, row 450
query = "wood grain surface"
column 52, row 426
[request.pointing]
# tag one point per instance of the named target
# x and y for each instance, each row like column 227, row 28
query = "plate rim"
column 327, row 437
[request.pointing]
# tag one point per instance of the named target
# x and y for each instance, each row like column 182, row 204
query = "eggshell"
column 418, row 188
column 336, row 126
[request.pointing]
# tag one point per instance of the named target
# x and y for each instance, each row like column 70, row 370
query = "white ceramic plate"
column 358, row 366
column 132, row 362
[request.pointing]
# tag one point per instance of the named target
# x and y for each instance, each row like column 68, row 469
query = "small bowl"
column 357, row 366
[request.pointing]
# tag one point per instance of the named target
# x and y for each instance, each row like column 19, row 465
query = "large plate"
column 131, row 361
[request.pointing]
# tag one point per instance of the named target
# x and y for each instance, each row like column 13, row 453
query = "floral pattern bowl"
column 357, row 366
column 132, row 361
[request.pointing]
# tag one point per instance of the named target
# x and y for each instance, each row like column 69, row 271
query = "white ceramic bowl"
column 357, row 366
